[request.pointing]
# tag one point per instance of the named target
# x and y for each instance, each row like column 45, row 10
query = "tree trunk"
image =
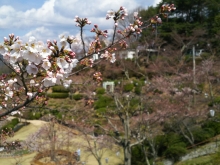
column 145, row 154
column 127, row 154
column 99, row 161
column 126, row 145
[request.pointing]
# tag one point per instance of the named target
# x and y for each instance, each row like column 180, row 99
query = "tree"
column 96, row 145
column 52, row 141
column 37, row 66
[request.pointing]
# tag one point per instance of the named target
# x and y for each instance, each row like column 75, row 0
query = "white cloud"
column 91, row 8
column 40, row 33
column 156, row 2
column 54, row 17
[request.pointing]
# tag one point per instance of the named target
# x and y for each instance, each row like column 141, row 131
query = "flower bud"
column 55, row 42
column 5, row 39
column 11, row 35
column 72, row 54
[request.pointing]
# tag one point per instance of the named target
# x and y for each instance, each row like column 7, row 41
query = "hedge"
column 11, row 124
column 76, row 96
column 60, row 89
column 58, row 95
column 34, row 116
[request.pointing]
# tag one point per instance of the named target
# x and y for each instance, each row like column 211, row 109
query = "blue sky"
column 46, row 19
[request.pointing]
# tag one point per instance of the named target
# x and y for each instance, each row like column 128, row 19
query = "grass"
column 61, row 104
column 24, row 160
column 203, row 160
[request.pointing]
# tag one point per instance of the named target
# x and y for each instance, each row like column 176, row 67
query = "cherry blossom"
column 37, row 66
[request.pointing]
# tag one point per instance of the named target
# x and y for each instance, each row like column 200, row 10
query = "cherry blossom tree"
column 50, row 138
column 36, row 65
column 97, row 146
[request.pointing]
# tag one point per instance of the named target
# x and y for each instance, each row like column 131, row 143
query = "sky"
column 47, row 19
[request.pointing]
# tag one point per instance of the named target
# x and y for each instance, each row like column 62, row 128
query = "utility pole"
column 194, row 73
column 194, row 65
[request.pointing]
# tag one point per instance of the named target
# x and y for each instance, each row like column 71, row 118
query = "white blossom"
column 46, row 64
column 32, row 69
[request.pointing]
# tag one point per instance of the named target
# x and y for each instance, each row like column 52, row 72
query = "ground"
column 34, row 125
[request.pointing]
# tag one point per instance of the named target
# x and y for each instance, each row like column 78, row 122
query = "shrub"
column 138, row 90
column 215, row 101
column 137, row 156
column 175, row 152
column 165, row 141
column 215, row 126
column 34, row 116
column 101, row 110
column 58, row 95
column 128, row 87
column 59, row 116
column 10, row 125
column 54, row 112
column 60, row 89
column 77, row 96
column 102, row 102
column 15, row 121
column 201, row 135
column 100, row 91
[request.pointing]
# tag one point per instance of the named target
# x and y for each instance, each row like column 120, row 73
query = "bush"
column 54, row 112
column 59, row 116
column 58, row 95
column 15, row 121
column 77, row 96
column 60, row 89
column 100, row 110
column 138, row 157
column 201, row 135
column 10, row 125
column 137, row 90
column 175, row 152
column 34, row 116
column 215, row 101
column 128, row 87
column 100, row 91
column 165, row 141
column 103, row 102
column 215, row 126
